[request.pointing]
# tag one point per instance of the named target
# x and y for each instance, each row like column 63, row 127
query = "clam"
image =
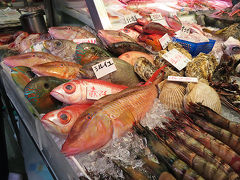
column 201, row 92
column 172, row 94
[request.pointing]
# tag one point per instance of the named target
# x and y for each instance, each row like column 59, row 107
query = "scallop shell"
column 172, row 94
column 201, row 92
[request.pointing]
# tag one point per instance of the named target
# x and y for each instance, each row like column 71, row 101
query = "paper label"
column 185, row 29
column 156, row 16
column 182, row 79
column 130, row 18
column 103, row 68
column 96, row 92
column 88, row 40
column 176, row 58
column 165, row 40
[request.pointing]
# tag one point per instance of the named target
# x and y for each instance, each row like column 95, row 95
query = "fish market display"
column 61, row 121
column 22, row 75
column 132, row 56
column 201, row 92
column 87, row 52
column 109, row 118
column 75, row 92
column 60, row 47
column 124, row 75
column 37, row 91
column 30, row 59
column 59, row 69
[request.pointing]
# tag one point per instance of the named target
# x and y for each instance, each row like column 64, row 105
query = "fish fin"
column 154, row 79
column 123, row 123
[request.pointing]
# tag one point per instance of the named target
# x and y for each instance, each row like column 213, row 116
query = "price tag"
column 156, row 16
column 88, row 40
column 182, row 79
column 176, row 58
column 165, row 40
column 95, row 92
column 103, row 68
column 130, row 19
column 185, row 29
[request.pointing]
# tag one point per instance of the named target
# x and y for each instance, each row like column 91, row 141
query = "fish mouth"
column 69, row 151
column 56, row 94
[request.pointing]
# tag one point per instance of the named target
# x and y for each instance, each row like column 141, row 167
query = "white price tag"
column 182, row 79
column 185, row 29
column 88, row 40
column 130, row 18
column 176, row 58
column 103, row 68
column 156, row 16
column 96, row 92
column 165, row 40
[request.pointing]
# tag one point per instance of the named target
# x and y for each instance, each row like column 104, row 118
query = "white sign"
column 165, row 40
column 156, row 16
column 182, row 79
column 185, row 29
column 96, row 92
column 130, row 18
column 176, row 58
column 104, row 68
column 88, row 40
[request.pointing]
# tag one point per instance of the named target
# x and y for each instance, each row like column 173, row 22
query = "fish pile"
column 93, row 116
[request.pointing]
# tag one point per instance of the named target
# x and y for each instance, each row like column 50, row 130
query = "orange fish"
column 61, row 121
column 59, row 69
column 108, row 118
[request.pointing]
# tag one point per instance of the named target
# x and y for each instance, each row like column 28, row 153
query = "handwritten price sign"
column 176, row 58
column 104, row 68
column 88, row 40
column 182, row 79
column 96, row 92
column 165, row 40
column 185, row 29
column 130, row 19
column 156, row 16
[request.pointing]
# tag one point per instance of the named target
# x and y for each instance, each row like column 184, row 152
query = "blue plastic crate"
column 195, row 48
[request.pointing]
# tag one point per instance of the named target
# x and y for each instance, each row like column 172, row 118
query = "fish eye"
column 126, row 30
column 69, row 88
column 236, row 48
column 89, row 116
column 64, row 117
column 46, row 85
column 58, row 43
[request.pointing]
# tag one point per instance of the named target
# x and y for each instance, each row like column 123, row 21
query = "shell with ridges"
column 201, row 92
column 172, row 94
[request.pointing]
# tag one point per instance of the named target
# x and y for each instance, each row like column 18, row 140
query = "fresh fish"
column 110, row 117
column 7, row 52
column 19, row 37
column 22, row 75
column 6, row 38
column 124, row 74
column 174, row 22
column 59, row 69
column 28, row 41
column 87, row 52
column 38, row 91
column 130, row 32
column 157, row 28
column 75, row 92
column 61, row 121
column 122, row 47
column 30, row 59
column 113, row 36
column 231, row 46
column 132, row 56
column 63, row 48
column 70, row 33
column 152, row 40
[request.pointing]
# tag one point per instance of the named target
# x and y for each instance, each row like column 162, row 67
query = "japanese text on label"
column 176, row 58
column 156, row 16
column 130, row 19
column 165, row 40
column 95, row 92
column 88, row 40
column 103, row 68
column 182, row 79
column 185, row 29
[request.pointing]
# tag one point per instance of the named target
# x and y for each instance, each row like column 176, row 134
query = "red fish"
column 61, row 121
column 174, row 22
column 110, row 117
column 75, row 92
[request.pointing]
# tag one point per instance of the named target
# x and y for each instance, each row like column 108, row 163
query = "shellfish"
column 172, row 94
column 201, row 92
